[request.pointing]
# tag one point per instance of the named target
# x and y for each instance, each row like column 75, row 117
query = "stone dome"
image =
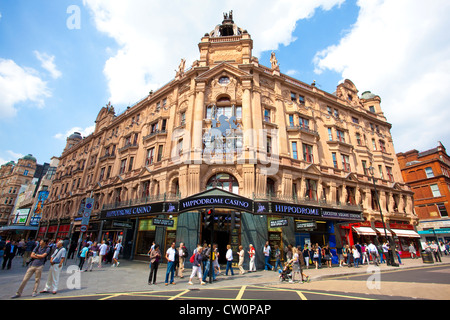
column 29, row 157
column 368, row 95
column 75, row 136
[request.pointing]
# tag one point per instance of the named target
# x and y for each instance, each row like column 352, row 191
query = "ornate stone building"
column 238, row 129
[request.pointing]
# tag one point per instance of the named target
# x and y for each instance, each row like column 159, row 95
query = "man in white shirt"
column 56, row 262
column 373, row 252
column 267, row 265
column 117, row 249
column 170, row 257
column 102, row 250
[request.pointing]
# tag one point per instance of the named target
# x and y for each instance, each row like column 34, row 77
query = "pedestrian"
column 117, row 250
column 348, row 253
column 327, row 255
column 93, row 256
column 373, row 253
column 295, row 265
column 215, row 259
column 182, row 254
column 197, row 266
column 150, row 251
column 340, row 254
column 229, row 257
column 356, row 256
column 29, row 246
column 39, row 256
column 10, row 252
column 56, row 262
column 241, row 260
column 155, row 258
column 306, row 256
column 381, row 253
column 435, row 249
column 267, row 251
column 320, row 255
column 170, row 257
column 251, row 253
column 83, row 255
column 442, row 247
column 102, row 252
column 289, row 253
column 207, row 257
column 412, row 251
column 277, row 258
column 316, row 256
column 2, row 249
column 365, row 255
column 109, row 251
column 21, row 247
column 398, row 253
column 72, row 249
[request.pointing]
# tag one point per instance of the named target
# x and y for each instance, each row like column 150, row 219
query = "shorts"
column 116, row 255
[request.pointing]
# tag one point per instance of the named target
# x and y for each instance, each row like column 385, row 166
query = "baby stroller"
column 286, row 273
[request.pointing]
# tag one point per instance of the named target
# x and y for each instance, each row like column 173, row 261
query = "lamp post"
column 391, row 257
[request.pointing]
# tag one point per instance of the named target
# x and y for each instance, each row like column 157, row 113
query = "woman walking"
column 197, row 266
column 306, row 255
column 356, row 256
column 155, row 257
column 251, row 253
column 316, row 257
column 83, row 255
column 277, row 258
column 327, row 255
column 241, row 260
column 229, row 257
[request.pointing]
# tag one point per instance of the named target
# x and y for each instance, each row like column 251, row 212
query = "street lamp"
column 391, row 257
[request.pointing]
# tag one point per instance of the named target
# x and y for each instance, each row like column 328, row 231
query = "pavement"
column 132, row 276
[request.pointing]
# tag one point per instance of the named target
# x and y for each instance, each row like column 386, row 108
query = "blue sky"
column 54, row 80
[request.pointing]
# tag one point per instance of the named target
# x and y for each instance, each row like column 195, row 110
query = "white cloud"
column 400, row 50
column 18, row 84
column 153, row 36
column 9, row 155
column 48, row 63
column 84, row 132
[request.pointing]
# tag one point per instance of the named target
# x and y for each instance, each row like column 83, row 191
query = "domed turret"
column 29, row 157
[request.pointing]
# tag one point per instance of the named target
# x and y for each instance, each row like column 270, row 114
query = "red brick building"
column 428, row 174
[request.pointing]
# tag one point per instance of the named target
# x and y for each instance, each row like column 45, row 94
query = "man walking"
column 266, row 250
column 182, row 253
column 10, row 253
column 102, row 252
column 373, row 252
column 435, row 249
column 39, row 256
column 170, row 257
column 117, row 250
column 56, row 262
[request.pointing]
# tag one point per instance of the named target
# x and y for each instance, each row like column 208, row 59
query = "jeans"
column 229, row 267
column 278, row 264
column 267, row 265
column 206, row 273
column 171, row 270
column 381, row 258
column 399, row 259
column 357, row 262
column 153, row 272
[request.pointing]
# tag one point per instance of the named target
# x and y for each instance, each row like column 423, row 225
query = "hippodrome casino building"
column 277, row 159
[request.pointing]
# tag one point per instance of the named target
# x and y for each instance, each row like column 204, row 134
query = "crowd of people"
column 204, row 259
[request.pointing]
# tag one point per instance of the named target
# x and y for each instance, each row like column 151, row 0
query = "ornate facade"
column 231, row 123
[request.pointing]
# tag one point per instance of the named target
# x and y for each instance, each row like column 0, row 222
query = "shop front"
column 404, row 236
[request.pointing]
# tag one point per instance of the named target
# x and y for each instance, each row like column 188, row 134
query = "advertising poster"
column 37, row 214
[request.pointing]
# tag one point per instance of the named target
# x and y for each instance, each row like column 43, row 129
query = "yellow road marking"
column 241, row 293
column 179, row 295
column 302, row 296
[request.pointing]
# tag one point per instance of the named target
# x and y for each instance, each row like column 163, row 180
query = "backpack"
column 191, row 260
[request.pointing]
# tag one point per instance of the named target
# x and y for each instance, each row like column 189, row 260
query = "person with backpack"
column 196, row 261
column 39, row 256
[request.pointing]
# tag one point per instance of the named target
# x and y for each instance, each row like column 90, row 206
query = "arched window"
column 223, row 181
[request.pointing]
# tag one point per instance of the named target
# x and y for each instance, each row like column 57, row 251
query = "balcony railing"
column 303, row 129
column 129, row 146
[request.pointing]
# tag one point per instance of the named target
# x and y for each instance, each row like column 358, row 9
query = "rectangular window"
column 304, row 123
column 335, row 164
column 308, row 153
column 183, row 118
column 435, row 190
column 209, row 114
column 380, row 169
column 293, row 97
column 355, row 120
column 382, row 145
column 340, row 135
column 155, row 127
column 108, row 173
column 389, row 174
column 330, row 111
column 291, row 120
column 330, row 135
column 160, row 153
column 358, row 139
column 180, row 147
column 164, row 125
column 130, row 165
column 294, row 150
column 442, row 210
column 345, row 162
column 429, row 172
column 25, row 173
column 364, row 165
column 267, row 115
column 123, row 165
column 150, row 154
column 311, row 189
column 102, row 174
column 336, row 113
column 301, row 99
column 269, row 145
column 372, row 109
column 374, row 145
